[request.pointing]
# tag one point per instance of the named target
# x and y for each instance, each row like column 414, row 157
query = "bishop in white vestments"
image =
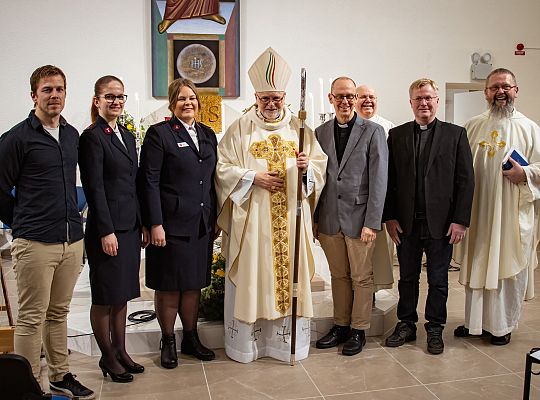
column 256, row 175
column 498, row 256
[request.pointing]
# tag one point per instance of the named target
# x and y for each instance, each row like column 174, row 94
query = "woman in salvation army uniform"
column 108, row 165
column 178, row 160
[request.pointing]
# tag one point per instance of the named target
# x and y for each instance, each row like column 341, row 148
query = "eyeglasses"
column 267, row 99
column 428, row 99
column 505, row 88
column 110, row 98
column 365, row 97
column 341, row 97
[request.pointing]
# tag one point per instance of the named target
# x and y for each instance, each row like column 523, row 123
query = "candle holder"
column 322, row 118
column 330, row 115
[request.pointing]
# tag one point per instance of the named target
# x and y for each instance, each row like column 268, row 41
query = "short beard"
column 501, row 112
column 271, row 115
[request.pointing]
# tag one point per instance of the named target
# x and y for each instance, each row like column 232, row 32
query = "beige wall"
column 384, row 43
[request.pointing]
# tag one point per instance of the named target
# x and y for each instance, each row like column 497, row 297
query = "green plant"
column 212, row 297
column 128, row 121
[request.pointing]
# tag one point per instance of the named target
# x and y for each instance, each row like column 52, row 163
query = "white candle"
column 137, row 116
column 321, row 87
column 330, row 107
column 311, row 110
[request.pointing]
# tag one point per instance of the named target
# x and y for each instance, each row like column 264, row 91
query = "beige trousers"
column 46, row 275
column 351, row 270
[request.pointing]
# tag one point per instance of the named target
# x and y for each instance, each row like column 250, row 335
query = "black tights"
column 109, row 326
column 168, row 304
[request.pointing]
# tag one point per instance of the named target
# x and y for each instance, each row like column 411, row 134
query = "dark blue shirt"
column 43, row 171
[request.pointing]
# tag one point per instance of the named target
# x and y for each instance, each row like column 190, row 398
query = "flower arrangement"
column 212, row 297
column 128, row 121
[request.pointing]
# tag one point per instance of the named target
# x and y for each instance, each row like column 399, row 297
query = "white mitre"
column 270, row 72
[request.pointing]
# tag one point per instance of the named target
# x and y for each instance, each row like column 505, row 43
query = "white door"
column 467, row 105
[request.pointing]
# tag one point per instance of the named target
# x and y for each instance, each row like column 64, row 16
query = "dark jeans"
column 438, row 254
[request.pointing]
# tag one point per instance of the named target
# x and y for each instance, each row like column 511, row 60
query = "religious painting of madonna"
column 198, row 40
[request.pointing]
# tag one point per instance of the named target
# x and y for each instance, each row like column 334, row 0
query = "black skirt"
column 183, row 264
column 114, row 280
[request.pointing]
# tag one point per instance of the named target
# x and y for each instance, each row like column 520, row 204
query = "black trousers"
column 438, row 254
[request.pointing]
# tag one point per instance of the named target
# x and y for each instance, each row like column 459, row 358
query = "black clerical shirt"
column 423, row 137
column 341, row 136
column 43, row 170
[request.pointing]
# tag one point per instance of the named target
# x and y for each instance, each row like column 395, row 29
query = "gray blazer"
column 355, row 190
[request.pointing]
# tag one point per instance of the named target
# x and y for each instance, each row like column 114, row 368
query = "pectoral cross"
column 276, row 151
column 493, row 146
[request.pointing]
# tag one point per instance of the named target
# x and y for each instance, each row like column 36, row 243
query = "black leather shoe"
column 192, row 345
column 169, row 358
column 501, row 340
column 404, row 332
column 435, row 344
column 461, row 331
column 355, row 343
column 131, row 367
column 123, row 377
column 338, row 334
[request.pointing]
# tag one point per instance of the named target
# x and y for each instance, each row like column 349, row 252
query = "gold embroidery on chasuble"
column 276, row 151
column 493, row 146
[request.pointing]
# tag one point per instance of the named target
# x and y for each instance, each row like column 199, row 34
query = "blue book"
column 516, row 156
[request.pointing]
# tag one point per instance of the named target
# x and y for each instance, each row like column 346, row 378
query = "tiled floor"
column 468, row 369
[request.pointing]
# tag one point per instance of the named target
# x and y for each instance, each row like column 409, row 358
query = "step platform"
column 144, row 337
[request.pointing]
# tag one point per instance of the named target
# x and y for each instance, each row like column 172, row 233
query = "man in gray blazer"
column 349, row 213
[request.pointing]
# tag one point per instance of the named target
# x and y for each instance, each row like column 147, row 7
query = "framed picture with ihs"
column 199, row 58
column 198, row 40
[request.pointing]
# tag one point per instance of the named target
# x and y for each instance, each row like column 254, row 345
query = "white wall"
column 387, row 44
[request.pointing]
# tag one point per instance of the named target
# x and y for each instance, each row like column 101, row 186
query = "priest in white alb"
column 256, row 181
column 383, row 254
column 367, row 107
column 498, row 256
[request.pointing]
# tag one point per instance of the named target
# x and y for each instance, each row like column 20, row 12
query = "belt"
column 420, row 215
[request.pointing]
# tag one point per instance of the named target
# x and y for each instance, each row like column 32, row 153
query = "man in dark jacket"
column 427, row 209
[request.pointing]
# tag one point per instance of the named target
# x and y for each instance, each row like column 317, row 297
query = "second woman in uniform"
column 178, row 159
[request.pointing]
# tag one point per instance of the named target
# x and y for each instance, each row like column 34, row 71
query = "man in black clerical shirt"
column 427, row 209
column 349, row 213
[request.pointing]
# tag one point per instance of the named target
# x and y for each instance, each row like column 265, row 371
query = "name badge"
column 182, row 144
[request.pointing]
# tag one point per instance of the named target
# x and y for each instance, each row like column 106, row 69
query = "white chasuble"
column 258, row 236
column 503, row 230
